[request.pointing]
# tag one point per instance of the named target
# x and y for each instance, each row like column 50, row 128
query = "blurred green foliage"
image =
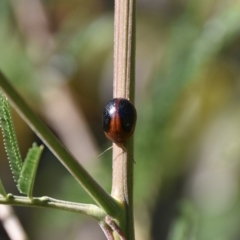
column 187, row 98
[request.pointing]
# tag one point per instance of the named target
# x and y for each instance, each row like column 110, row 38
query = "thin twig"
column 115, row 227
column 107, row 230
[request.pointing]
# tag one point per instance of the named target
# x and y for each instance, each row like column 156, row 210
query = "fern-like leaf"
column 2, row 190
column 9, row 137
column 29, row 169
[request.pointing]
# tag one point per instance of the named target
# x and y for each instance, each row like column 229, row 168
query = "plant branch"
column 124, row 81
column 101, row 197
column 107, row 230
column 114, row 227
column 47, row 202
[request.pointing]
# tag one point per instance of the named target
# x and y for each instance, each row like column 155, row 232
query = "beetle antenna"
column 121, row 146
column 105, row 151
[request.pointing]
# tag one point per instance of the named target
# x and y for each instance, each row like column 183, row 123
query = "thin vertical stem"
column 124, row 67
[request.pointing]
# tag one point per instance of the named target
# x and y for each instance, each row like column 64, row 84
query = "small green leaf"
column 2, row 190
column 29, row 169
column 10, row 139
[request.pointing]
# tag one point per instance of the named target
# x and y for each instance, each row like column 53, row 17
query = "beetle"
column 119, row 120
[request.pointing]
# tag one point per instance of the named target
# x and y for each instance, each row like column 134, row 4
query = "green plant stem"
column 124, row 81
column 47, row 202
column 100, row 196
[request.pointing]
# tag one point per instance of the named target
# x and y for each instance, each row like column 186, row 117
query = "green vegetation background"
column 59, row 55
